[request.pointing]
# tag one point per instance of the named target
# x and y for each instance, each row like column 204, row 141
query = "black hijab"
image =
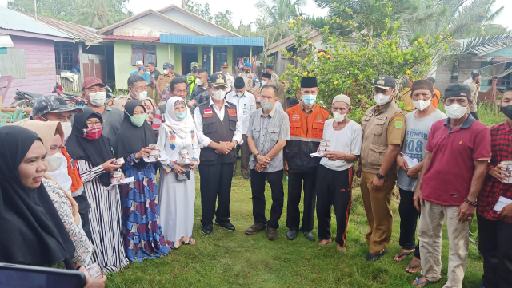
column 132, row 139
column 96, row 152
column 32, row 232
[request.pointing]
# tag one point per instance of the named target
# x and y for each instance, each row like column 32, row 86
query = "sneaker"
column 228, row 226
column 291, row 234
column 309, row 235
column 255, row 228
column 207, row 229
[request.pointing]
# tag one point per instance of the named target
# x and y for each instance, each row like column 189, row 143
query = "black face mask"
column 507, row 110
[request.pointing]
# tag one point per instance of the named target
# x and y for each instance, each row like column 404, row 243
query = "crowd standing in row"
column 118, row 185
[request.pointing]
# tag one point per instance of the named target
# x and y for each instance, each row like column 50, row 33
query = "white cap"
column 139, row 63
column 342, row 98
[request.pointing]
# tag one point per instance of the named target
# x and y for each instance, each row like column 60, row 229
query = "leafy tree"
column 274, row 18
column 224, row 20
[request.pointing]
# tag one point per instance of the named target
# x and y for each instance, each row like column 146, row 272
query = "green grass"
column 232, row 259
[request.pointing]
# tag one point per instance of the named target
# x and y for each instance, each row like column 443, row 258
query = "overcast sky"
column 246, row 11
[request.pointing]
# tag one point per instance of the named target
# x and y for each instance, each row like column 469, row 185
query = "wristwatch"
column 380, row 176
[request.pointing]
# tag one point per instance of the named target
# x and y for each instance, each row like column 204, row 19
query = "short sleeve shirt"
column 266, row 130
column 396, row 129
column 447, row 180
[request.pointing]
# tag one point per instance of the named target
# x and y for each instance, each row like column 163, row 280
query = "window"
column 144, row 53
column 12, row 63
column 220, row 55
column 66, row 56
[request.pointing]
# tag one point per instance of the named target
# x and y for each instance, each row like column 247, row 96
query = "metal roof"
column 212, row 40
column 16, row 21
column 75, row 31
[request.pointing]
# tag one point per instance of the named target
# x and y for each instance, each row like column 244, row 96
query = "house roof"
column 212, row 40
column 139, row 16
column 75, row 31
column 130, row 38
column 199, row 18
column 16, row 21
column 287, row 42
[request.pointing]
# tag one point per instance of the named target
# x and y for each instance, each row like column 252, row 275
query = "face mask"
column 55, row 161
column 98, row 99
column 455, row 111
column 267, row 106
column 166, row 71
column 66, row 127
column 381, row 99
column 263, row 83
column 93, row 133
column 309, row 99
column 199, row 82
column 507, row 110
column 181, row 115
column 421, row 104
column 218, row 95
column 239, row 94
column 143, row 95
column 139, row 119
column 338, row 117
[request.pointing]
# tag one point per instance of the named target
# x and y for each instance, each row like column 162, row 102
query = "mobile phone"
column 22, row 276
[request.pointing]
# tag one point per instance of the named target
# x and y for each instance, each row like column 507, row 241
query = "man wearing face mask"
column 245, row 105
column 306, row 126
column 410, row 162
column 94, row 92
column 495, row 225
column 163, row 81
column 54, row 108
column 200, row 94
column 454, row 169
column 383, row 132
column 219, row 132
column 474, row 88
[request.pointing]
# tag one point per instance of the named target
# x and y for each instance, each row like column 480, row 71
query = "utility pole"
column 35, row 9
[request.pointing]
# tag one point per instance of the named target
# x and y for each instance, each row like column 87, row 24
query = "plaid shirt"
column 501, row 147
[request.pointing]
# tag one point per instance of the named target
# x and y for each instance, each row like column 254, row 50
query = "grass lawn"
column 232, row 259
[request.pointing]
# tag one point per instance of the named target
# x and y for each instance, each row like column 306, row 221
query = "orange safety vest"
column 74, row 174
column 307, row 126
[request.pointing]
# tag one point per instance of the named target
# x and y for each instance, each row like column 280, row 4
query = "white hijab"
column 181, row 128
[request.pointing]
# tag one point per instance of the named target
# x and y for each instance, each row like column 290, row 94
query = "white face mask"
column 98, row 98
column 455, row 111
column 338, row 117
column 218, row 94
column 58, row 170
column 239, row 94
column 166, row 71
column 143, row 95
column 66, row 127
column 381, row 99
column 199, row 82
column 263, row 83
column 421, row 104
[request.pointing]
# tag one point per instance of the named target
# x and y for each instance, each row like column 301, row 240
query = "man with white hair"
column 340, row 148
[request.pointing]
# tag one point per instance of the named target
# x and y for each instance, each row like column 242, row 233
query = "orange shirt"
column 307, row 126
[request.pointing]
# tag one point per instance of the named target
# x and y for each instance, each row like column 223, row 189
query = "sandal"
column 420, row 282
column 191, row 241
column 324, row 242
column 403, row 254
column 414, row 266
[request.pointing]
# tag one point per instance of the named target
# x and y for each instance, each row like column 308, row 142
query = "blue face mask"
column 181, row 115
column 309, row 99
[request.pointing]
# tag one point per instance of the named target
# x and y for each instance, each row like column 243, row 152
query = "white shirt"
column 346, row 140
column 245, row 105
column 204, row 140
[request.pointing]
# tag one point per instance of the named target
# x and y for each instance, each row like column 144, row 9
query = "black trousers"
column 215, row 183
column 494, row 238
column 408, row 221
column 296, row 182
column 258, row 182
column 333, row 189
column 245, row 153
column 83, row 210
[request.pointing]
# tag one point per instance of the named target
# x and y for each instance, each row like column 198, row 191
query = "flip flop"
column 420, row 282
column 414, row 266
column 402, row 254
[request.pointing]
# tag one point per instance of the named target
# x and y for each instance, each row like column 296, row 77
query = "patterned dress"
column 142, row 234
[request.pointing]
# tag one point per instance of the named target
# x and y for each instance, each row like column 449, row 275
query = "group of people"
column 98, row 187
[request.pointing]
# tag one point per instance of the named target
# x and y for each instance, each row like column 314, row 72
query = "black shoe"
column 291, row 234
column 309, row 235
column 207, row 229
column 375, row 256
column 255, row 229
column 271, row 233
column 227, row 226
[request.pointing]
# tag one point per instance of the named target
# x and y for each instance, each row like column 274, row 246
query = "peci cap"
column 457, row 90
column 266, row 75
column 308, row 82
column 51, row 103
column 342, row 98
column 92, row 81
column 385, row 82
column 239, row 83
column 218, row 80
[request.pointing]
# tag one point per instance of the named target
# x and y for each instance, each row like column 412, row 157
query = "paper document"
column 502, row 202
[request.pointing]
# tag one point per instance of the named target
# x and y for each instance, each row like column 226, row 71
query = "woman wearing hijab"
column 142, row 234
column 32, row 231
column 178, row 142
column 94, row 158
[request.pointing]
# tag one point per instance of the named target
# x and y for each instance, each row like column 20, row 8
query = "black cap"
column 308, row 82
column 385, row 82
column 457, row 90
column 239, row 83
column 266, row 75
column 218, row 80
column 51, row 103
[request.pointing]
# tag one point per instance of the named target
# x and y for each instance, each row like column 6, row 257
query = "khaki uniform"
column 380, row 128
column 161, row 84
